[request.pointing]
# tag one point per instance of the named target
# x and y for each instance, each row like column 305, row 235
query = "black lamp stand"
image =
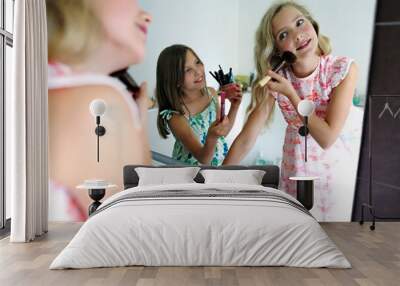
column 100, row 131
column 303, row 131
column 305, row 188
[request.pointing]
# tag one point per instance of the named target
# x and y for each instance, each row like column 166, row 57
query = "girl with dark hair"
column 190, row 110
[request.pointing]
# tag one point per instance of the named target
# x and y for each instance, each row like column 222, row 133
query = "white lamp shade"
column 97, row 107
column 306, row 107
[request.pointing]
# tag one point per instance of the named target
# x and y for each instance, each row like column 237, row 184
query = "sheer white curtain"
column 26, row 124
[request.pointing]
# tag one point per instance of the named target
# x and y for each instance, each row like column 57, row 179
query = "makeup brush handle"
column 267, row 78
column 222, row 114
column 264, row 81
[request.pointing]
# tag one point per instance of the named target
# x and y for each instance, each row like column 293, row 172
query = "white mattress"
column 185, row 230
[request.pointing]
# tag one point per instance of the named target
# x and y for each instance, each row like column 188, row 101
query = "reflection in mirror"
column 223, row 33
column 87, row 41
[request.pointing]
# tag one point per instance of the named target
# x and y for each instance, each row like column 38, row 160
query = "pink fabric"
column 316, row 87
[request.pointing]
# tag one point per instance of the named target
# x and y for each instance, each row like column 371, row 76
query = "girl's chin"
column 309, row 51
column 136, row 53
column 199, row 85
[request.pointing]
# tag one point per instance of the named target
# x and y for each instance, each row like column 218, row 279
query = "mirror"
column 222, row 33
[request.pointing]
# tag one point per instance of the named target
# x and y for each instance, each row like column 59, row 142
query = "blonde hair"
column 73, row 30
column 265, row 46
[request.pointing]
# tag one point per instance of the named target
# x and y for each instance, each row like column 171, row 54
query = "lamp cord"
column 305, row 139
column 98, row 153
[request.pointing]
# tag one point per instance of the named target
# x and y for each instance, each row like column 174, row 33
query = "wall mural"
column 199, row 60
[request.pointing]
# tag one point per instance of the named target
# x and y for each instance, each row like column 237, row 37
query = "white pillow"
column 248, row 177
column 163, row 176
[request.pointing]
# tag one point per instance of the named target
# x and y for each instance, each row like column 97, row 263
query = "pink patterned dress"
column 316, row 87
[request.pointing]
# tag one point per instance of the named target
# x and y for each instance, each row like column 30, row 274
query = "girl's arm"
column 183, row 132
column 234, row 95
column 233, row 110
column 142, row 102
column 324, row 131
column 248, row 136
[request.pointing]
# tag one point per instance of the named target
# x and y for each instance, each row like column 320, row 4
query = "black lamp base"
column 100, row 130
column 303, row 131
column 96, row 195
column 305, row 193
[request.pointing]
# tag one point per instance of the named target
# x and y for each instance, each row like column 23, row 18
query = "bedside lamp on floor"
column 97, row 190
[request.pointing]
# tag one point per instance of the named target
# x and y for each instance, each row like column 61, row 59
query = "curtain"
column 26, row 124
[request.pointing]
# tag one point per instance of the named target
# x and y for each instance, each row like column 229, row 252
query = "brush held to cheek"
column 286, row 58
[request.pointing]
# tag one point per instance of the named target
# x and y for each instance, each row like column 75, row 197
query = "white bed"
column 201, row 224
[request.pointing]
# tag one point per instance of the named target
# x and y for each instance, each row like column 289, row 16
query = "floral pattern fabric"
column 316, row 87
column 199, row 123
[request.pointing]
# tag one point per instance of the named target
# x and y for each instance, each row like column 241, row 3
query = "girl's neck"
column 192, row 96
column 305, row 67
column 99, row 61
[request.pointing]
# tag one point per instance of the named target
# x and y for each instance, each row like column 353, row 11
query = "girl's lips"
column 304, row 45
column 199, row 80
column 143, row 29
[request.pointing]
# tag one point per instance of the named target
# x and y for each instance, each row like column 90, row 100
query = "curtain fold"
column 26, row 124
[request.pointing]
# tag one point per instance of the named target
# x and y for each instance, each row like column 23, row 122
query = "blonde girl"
column 329, row 81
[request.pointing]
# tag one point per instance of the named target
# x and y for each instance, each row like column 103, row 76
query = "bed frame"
column 270, row 179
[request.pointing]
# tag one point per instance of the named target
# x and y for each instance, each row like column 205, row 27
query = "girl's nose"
column 147, row 17
column 197, row 71
column 299, row 37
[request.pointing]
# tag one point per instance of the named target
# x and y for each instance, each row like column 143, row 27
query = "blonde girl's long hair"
column 73, row 30
column 265, row 47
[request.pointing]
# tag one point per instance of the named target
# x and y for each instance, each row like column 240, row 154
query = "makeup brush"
column 286, row 58
column 127, row 80
column 221, row 77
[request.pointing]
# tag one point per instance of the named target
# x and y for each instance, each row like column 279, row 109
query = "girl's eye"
column 282, row 36
column 198, row 62
column 299, row 22
column 188, row 70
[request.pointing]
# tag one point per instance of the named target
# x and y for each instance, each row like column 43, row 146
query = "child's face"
column 194, row 77
column 294, row 32
column 125, row 26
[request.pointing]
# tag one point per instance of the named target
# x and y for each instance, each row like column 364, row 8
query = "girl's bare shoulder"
column 212, row 91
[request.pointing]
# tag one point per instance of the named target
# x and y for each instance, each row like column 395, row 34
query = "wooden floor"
column 374, row 255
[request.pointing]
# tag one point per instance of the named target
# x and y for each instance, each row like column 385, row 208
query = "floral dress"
column 316, row 87
column 199, row 123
